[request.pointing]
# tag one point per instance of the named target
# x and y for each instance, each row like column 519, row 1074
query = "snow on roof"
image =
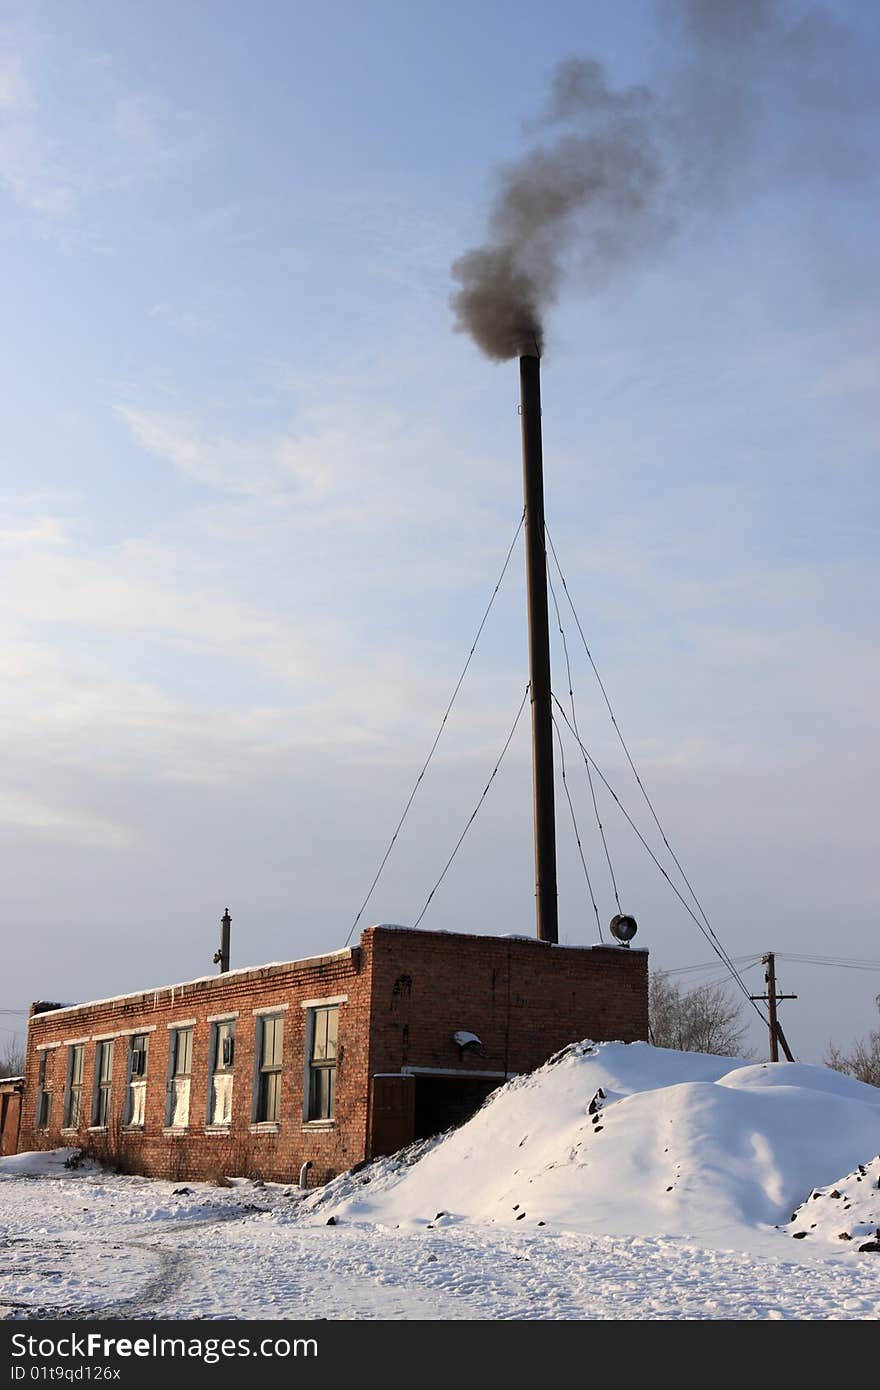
column 199, row 980
column 291, row 965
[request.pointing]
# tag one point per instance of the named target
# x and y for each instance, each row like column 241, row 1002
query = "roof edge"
column 203, row 981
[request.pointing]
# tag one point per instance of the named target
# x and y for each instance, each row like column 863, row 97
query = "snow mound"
column 847, row 1210
column 47, row 1163
column 624, row 1139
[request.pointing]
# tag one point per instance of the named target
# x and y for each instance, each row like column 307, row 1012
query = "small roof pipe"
column 221, row 957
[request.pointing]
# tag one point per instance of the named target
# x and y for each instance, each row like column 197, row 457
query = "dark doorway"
column 444, row 1101
column 393, row 1114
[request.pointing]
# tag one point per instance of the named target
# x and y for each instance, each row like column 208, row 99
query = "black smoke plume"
column 626, row 167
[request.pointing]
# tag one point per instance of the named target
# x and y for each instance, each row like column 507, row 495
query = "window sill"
column 218, row 1129
column 313, row 1126
column 175, row 1129
column 70, row 1129
column 265, row 1127
column 96, row 1129
column 132, row 1129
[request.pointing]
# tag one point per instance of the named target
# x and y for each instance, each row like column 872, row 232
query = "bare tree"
column 704, row 1019
column 863, row 1062
column 12, row 1058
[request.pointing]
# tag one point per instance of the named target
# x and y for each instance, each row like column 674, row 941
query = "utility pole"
column 771, row 998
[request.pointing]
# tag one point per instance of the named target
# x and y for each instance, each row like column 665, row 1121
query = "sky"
column 256, row 494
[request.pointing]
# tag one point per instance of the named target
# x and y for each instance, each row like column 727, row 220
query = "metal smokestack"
column 539, row 649
column 221, row 957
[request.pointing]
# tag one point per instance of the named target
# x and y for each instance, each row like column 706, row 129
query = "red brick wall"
column 523, row 998
column 201, row 1152
column 406, row 993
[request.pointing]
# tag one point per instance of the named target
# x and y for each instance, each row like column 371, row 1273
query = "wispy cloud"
column 32, row 170
column 70, row 824
column 190, row 322
column 858, row 375
column 345, row 465
column 72, row 134
column 47, row 530
column 15, row 90
column 259, row 468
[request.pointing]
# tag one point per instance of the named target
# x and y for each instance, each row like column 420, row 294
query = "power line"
column 418, row 780
column 718, row 980
column 623, row 745
column 473, row 815
column 710, row 936
column 725, row 979
column 796, row 958
column 707, row 965
column 589, row 774
column 576, row 831
column 863, row 965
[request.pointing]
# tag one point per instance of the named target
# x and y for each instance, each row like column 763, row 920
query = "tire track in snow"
column 146, row 1302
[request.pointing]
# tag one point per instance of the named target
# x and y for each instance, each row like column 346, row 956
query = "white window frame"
column 313, row 1007
column 175, row 1077
column 217, row 1024
column 103, row 1047
column 69, row 1085
column 136, row 1083
column 275, row 1015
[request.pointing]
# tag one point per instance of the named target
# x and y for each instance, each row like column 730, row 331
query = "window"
column 268, row 1107
column 137, row 1080
column 179, row 1081
column 73, row 1108
column 323, row 1030
column 103, row 1083
column 222, row 1054
column 44, row 1101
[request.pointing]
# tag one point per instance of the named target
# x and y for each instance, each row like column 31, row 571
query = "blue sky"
column 256, row 494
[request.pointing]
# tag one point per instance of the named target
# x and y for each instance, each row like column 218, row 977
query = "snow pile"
column 851, row 1213
column 46, row 1164
column 624, row 1139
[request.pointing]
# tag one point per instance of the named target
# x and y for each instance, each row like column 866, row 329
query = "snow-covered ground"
column 619, row 1181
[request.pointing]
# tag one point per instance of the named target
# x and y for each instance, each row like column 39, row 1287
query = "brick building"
column 320, row 1062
